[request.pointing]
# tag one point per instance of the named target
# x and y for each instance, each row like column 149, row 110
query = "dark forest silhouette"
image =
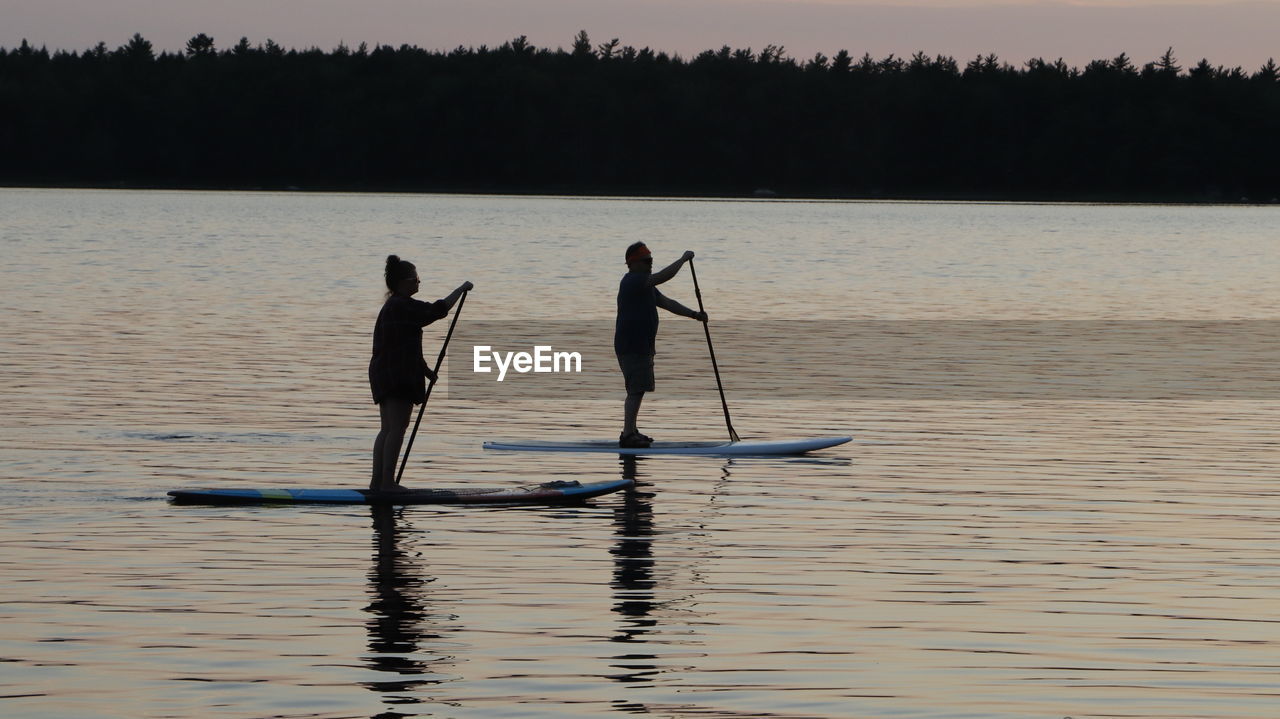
column 611, row 119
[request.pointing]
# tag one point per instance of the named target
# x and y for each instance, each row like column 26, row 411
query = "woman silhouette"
column 397, row 371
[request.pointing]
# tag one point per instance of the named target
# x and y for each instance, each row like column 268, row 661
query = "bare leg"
column 630, row 411
column 394, row 412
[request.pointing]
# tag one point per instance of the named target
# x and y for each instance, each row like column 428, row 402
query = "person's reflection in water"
column 633, row 581
column 396, row 631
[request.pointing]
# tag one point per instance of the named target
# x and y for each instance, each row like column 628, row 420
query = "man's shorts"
column 637, row 370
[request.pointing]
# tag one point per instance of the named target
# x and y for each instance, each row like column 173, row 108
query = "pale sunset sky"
column 1227, row 32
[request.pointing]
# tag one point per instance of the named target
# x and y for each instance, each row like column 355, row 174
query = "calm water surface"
column 1084, row 558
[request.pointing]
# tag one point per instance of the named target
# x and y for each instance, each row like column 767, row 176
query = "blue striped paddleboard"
column 721, row 448
column 547, row 493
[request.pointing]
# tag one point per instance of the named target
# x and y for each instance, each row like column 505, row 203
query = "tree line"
column 613, row 119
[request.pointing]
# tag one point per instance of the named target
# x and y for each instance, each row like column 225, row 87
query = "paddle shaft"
column 439, row 361
column 733, row 436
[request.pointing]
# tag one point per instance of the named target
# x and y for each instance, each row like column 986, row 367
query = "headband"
column 638, row 253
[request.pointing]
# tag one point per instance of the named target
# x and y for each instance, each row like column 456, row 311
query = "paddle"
column 733, row 436
column 439, row 360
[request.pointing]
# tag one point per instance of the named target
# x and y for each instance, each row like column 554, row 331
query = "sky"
column 1226, row 32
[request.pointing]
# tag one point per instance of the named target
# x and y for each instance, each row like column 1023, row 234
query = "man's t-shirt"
column 636, row 328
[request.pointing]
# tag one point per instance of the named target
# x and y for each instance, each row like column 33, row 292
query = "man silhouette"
column 636, row 330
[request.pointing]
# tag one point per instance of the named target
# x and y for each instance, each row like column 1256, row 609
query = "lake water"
column 1008, row 556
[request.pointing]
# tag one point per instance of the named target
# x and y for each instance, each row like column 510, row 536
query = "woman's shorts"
column 637, row 371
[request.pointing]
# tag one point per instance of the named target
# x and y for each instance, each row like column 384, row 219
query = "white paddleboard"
column 744, row 447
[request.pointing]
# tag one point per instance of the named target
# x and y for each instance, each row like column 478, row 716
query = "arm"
column 424, row 313
column 448, row 304
column 674, row 307
column 454, row 296
column 670, row 270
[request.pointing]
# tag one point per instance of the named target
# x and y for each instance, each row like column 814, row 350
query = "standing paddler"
column 635, row 332
column 397, row 370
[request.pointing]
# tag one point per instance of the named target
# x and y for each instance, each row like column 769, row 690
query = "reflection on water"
column 633, row 574
column 401, row 633
column 1034, row 556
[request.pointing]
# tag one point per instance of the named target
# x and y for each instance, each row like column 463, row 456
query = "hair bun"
column 392, row 260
